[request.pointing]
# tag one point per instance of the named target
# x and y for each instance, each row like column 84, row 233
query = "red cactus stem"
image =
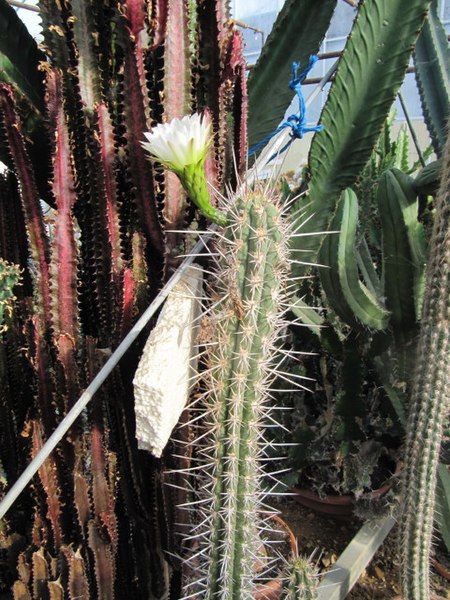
column 234, row 71
column 158, row 28
column 128, row 301
column 49, row 479
column 40, row 573
column 81, row 495
column 140, row 171
column 136, row 15
column 55, row 590
column 103, row 496
column 104, row 563
column 87, row 63
column 78, row 583
column 65, row 302
column 177, row 86
column 108, row 156
column 41, row 360
column 31, row 205
column 20, row 591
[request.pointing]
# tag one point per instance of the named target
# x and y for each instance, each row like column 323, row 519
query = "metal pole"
column 411, row 130
column 18, row 4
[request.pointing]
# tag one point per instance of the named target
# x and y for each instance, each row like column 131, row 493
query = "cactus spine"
column 252, row 272
column 302, row 578
column 428, row 406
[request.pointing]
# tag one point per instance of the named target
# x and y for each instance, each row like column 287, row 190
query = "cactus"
column 302, row 576
column 251, row 284
column 112, row 70
column 369, row 74
column 428, row 406
column 372, row 286
column 431, row 60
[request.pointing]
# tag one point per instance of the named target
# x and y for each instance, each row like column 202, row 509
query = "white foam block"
column 164, row 375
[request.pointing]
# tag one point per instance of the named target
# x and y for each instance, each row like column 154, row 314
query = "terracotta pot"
column 441, row 569
column 337, row 506
column 272, row 589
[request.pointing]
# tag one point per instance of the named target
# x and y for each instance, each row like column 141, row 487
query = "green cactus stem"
column 252, row 274
column 302, row 578
column 429, row 406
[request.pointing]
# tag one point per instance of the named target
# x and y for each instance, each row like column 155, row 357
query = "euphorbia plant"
column 98, row 518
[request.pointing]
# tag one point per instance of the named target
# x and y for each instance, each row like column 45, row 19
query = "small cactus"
column 428, row 406
column 249, row 299
column 302, row 577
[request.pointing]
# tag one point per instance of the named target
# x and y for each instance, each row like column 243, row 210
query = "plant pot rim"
column 336, row 504
column 272, row 589
column 441, row 569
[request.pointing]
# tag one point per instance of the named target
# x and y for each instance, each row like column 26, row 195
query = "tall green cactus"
column 251, row 284
column 369, row 74
column 429, row 407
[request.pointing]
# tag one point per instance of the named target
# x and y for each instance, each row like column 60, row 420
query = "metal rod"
column 411, row 130
column 320, row 56
column 314, row 80
column 343, row 575
column 115, row 357
column 23, row 5
column 244, row 25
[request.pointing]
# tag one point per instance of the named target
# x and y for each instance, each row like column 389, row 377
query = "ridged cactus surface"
column 302, row 578
column 429, row 406
column 249, row 298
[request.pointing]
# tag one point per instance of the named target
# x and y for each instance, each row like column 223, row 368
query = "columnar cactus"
column 251, row 284
column 428, row 405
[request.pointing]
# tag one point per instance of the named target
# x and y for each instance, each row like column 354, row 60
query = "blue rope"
column 296, row 122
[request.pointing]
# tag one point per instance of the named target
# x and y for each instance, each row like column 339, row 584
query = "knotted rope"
column 296, row 122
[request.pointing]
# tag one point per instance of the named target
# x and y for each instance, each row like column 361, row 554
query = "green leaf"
column 432, row 63
column 347, row 295
column 296, row 34
column 20, row 58
column 369, row 74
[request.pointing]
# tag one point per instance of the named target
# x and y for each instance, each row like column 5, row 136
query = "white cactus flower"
column 181, row 146
column 181, row 142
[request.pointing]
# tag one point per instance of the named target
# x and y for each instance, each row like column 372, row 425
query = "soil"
column 328, row 537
